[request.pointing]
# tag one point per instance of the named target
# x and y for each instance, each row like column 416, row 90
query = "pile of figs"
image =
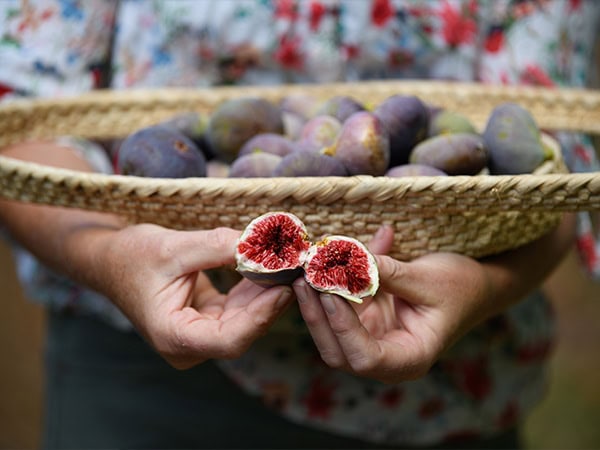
column 339, row 136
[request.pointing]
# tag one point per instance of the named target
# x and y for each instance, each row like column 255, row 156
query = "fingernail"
column 380, row 232
column 328, row 303
column 301, row 287
column 284, row 297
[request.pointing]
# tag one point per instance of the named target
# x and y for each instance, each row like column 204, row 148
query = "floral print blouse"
column 492, row 377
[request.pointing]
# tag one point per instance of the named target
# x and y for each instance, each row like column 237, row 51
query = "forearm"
column 517, row 273
column 67, row 240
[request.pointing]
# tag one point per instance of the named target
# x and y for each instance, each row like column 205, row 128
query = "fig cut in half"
column 343, row 266
column 272, row 249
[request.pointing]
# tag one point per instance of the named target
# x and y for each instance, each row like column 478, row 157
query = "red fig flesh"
column 272, row 248
column 343, row 266
column 275, row 249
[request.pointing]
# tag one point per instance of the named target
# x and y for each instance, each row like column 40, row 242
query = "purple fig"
column 275, row 144
column 414, row 170
column 406, row 119
column 319, row 132
column 235, row 121
column 302, row 105
column 513, row 140
column 341, row 107
column 445, row 122
column 363, row 145
column 160, row 151
column 309, row 164
column 455, row 154
column 253, row 165
column 217, row 169
column 193, row 125
column 292, row 124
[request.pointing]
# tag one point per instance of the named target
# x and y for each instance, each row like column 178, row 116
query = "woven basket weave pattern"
column 476, row 216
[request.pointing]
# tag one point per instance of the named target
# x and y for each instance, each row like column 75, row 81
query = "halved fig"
column 272, row 249
column 343, row 266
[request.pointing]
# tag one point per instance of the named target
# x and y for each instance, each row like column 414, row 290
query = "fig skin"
column 217, row 169
column 513, row 140
column 309, row 164
column 302, row 105
column 161, row 152
column 447, row 122
column 341, row 107
column 454, row 154
column 363, row 145
column 406, row 119
column 343, row 266
column 273, row 143
column 319, row 132
column 236, row 120
column 254, row 165
column 272, row 248
column 193, row 125
column 292, row 125
column 414, row 170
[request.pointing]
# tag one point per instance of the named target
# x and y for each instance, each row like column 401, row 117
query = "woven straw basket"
column 473, row 215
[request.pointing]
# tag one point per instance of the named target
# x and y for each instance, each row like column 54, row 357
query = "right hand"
column 156, row 278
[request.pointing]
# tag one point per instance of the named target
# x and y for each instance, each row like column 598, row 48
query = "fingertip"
column 382, row 240
column 285, row 297
column 329, row 304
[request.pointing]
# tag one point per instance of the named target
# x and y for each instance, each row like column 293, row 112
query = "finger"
column 360, row 349
column 198, row 250
column 382, row 240
column 403, row 280
column 231, row 337
column 242, row 294
column 318, row 325
column 393, row 358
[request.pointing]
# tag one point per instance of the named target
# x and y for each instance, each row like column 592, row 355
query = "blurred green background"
column 569, row 416
column 567, row 419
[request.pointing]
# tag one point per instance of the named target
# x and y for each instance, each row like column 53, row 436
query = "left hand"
column 422, row 307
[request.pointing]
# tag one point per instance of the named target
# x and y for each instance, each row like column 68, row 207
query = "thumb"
column 204, row 249
column 402, row 279
column 382, row 241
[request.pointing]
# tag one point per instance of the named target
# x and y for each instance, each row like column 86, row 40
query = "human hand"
column 155, row 277
column 422, row 306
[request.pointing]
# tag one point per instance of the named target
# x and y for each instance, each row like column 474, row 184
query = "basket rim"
column 559, row 108
column 557, row 192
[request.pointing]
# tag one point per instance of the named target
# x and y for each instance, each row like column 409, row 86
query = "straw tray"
column 473, row 215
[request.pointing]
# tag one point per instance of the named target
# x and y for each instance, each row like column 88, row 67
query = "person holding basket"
column 144, row 351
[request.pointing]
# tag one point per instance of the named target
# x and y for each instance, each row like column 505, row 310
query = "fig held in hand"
column 343, row 266
column 272, row 249
column 275, row 249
